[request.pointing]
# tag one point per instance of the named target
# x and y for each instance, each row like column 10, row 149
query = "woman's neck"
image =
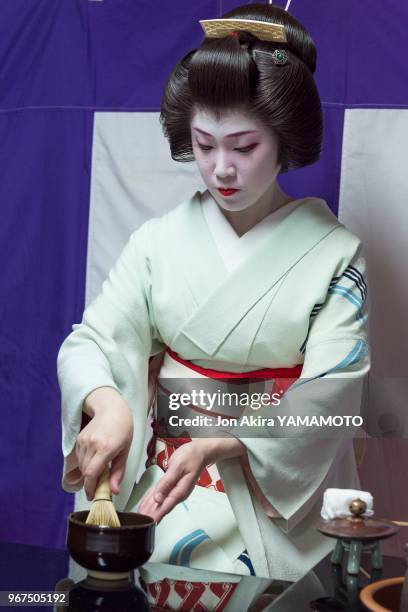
column 244, row 220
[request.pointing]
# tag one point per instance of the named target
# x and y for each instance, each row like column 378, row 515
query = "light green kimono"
column 298, row 298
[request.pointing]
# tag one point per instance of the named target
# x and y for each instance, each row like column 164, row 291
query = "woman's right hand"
column 106, row 438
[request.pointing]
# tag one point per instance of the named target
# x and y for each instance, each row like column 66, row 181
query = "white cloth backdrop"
column 133, row 179
column 374, row 204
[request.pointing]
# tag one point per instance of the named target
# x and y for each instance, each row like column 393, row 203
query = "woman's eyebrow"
column 228, row 135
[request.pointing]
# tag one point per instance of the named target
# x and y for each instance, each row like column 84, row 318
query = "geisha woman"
column 240, row 281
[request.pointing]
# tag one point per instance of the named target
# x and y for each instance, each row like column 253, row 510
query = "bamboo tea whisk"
column 103, row 511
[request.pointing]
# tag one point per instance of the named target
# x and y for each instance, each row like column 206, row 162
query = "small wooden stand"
column 404, row 594
column 355, row 535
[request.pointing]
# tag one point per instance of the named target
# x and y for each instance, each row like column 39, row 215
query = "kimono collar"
column 234, row 294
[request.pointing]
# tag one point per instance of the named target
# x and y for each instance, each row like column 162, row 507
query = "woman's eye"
column 246, row 149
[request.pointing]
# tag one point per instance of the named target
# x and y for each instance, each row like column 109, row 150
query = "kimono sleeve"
column 292, row 464
column 110, row 347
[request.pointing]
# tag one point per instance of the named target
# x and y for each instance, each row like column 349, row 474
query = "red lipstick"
column 227, row 192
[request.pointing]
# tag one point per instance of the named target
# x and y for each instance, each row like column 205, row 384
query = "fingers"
column 93, row 454
column 92, row 472
column 148, row 505
column 90, row 483
column 166, row 484
column 175, row 493
column 118, row 467
column 167, row 506
column 174, row 486
column 158, row 510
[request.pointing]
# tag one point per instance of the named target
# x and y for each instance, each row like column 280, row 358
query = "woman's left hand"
column 185, row 466
column 176, row 484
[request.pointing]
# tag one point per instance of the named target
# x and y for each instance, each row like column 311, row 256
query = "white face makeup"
column 244, row 161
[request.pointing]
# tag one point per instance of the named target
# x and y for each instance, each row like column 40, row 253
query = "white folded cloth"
column 336, row 503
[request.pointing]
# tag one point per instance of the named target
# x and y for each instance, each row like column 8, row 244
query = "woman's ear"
column 278, row 169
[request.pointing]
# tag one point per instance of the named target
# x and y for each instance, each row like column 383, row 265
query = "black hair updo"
column 238, row 73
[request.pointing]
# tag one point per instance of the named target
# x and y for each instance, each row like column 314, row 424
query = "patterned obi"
column 160, row 449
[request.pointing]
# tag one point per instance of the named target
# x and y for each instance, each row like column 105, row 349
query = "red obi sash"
column 282, row 378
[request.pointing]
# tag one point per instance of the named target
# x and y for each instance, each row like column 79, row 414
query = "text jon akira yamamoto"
column 275, row 421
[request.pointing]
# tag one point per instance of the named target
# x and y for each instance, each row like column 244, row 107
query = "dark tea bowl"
column 111, row 550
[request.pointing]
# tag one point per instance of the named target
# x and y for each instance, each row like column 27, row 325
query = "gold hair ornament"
column 264, row 30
